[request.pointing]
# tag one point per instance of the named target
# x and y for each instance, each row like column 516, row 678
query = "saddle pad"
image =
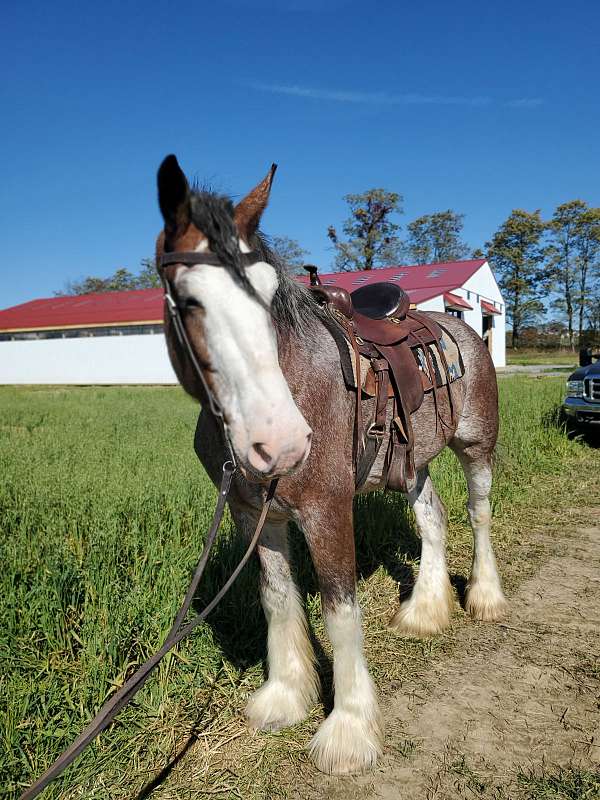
column 453, row 358
column 446, row 343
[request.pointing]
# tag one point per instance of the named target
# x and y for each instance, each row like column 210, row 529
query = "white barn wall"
column 89, row 360
column 483, row 284
column 435, row 304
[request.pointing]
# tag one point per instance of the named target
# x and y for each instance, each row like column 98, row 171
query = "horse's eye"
column 191, row 302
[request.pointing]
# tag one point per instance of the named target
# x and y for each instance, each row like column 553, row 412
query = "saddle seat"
column 379, row 314
column 381, row 300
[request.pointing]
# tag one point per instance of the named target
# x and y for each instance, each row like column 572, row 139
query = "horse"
column 272, row 365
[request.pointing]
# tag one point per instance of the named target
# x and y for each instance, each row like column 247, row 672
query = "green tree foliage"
column 436, row 237
column 290, row 252
column 561, row 254
column 588, row 271
column 592, row 314
column 573, row 256
column 516, row 254
column 371, row 236
column 147, row 277
column 121, row 280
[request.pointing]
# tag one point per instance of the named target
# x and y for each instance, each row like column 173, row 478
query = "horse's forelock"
column 212, row 214
column 293, row 305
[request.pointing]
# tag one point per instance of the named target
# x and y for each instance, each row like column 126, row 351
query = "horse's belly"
column 431, row 435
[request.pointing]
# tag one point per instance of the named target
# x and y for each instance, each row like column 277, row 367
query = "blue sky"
column 481, row 107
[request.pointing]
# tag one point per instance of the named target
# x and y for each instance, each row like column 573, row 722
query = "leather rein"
column 179, row 630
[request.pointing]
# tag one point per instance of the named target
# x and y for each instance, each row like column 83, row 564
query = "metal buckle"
column 375, row 431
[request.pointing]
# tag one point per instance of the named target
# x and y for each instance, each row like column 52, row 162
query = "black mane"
column 212, row 214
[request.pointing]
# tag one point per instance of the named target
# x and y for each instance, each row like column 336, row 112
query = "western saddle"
column 377, row 322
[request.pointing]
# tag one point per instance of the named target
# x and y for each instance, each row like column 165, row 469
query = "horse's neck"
column 308, row 353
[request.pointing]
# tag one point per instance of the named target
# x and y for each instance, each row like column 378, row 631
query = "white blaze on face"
column 267, row 430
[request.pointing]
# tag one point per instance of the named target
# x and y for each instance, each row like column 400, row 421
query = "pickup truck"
column 582, row 403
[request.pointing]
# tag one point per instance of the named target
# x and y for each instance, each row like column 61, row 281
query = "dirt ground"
column 518, row 699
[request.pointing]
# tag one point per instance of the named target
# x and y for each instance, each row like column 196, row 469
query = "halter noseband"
column 191, row 258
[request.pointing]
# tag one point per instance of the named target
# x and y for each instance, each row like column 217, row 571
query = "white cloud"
column 388, row 98
column 370, row 98
column 526, row 102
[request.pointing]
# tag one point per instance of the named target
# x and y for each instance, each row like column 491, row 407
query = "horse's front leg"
column 349, row 740
column 292, row 687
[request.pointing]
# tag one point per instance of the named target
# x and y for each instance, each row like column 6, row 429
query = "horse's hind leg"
column 484, row 597
column 292, row 687
column 427, row 610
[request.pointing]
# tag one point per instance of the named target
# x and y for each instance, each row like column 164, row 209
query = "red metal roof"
column 117, row 308
column 489, row 307
column 421, row 283
column 456, row 300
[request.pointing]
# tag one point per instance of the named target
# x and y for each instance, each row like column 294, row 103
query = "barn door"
column 487, row 328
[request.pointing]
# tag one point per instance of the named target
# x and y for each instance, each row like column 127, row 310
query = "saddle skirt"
column 424, row 365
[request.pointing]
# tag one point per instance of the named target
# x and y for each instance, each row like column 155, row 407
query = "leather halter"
column 192, row 258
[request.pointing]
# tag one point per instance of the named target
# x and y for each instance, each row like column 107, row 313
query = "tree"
column 121, row 280
column 147, row 277
column 592, row 313
column 517, row 255
column 562, row 253
column 436, row 237
column 371, row 235
column 588, row 261
column 574, row 260
column 290, row 252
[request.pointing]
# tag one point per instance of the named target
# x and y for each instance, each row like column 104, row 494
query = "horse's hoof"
column 424, row 615
column 346, row 744
column 275, row 706
column 485, row 602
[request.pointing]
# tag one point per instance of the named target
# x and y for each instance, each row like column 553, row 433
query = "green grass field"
column 104, row 507
column 526, row 357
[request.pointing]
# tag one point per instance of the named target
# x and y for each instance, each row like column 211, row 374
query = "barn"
column 116, row 337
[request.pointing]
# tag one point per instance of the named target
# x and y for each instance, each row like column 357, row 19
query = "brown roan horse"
column 275, row 372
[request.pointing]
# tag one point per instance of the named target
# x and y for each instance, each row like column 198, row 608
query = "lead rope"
column 132, row 686
column 177, row 633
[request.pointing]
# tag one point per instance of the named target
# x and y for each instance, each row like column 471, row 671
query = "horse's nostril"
column 261, row 451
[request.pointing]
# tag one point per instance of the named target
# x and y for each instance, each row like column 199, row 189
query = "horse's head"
column 226, row 313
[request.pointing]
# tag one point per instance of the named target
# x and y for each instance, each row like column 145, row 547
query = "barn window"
column 81, row 333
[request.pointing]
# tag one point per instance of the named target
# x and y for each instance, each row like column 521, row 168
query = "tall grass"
column 104, row 507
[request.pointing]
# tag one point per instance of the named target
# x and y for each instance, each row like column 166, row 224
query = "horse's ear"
column 173, row 194
column 248, row 211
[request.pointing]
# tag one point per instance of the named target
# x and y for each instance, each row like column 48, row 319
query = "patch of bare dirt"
column 518, row 697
